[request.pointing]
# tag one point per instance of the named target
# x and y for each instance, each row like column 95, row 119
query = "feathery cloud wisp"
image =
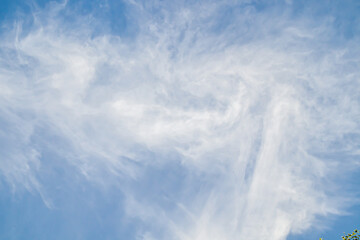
column 216, row 120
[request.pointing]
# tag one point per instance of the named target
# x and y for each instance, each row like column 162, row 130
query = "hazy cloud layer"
column 215, row 120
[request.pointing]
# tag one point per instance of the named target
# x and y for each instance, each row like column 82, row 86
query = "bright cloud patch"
column 210, row 121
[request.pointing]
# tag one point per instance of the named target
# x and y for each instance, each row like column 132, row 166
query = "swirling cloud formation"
column 200, row 120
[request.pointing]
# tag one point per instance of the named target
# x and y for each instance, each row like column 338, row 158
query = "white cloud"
column 252, row 108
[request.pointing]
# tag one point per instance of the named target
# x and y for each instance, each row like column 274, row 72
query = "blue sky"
column 184, row 120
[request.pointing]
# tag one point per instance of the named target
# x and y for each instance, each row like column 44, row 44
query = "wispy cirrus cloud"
column 215, row 120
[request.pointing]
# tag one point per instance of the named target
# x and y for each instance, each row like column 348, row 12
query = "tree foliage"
column 351, row 236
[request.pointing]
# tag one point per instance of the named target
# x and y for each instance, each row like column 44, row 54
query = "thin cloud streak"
column 251, row 106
